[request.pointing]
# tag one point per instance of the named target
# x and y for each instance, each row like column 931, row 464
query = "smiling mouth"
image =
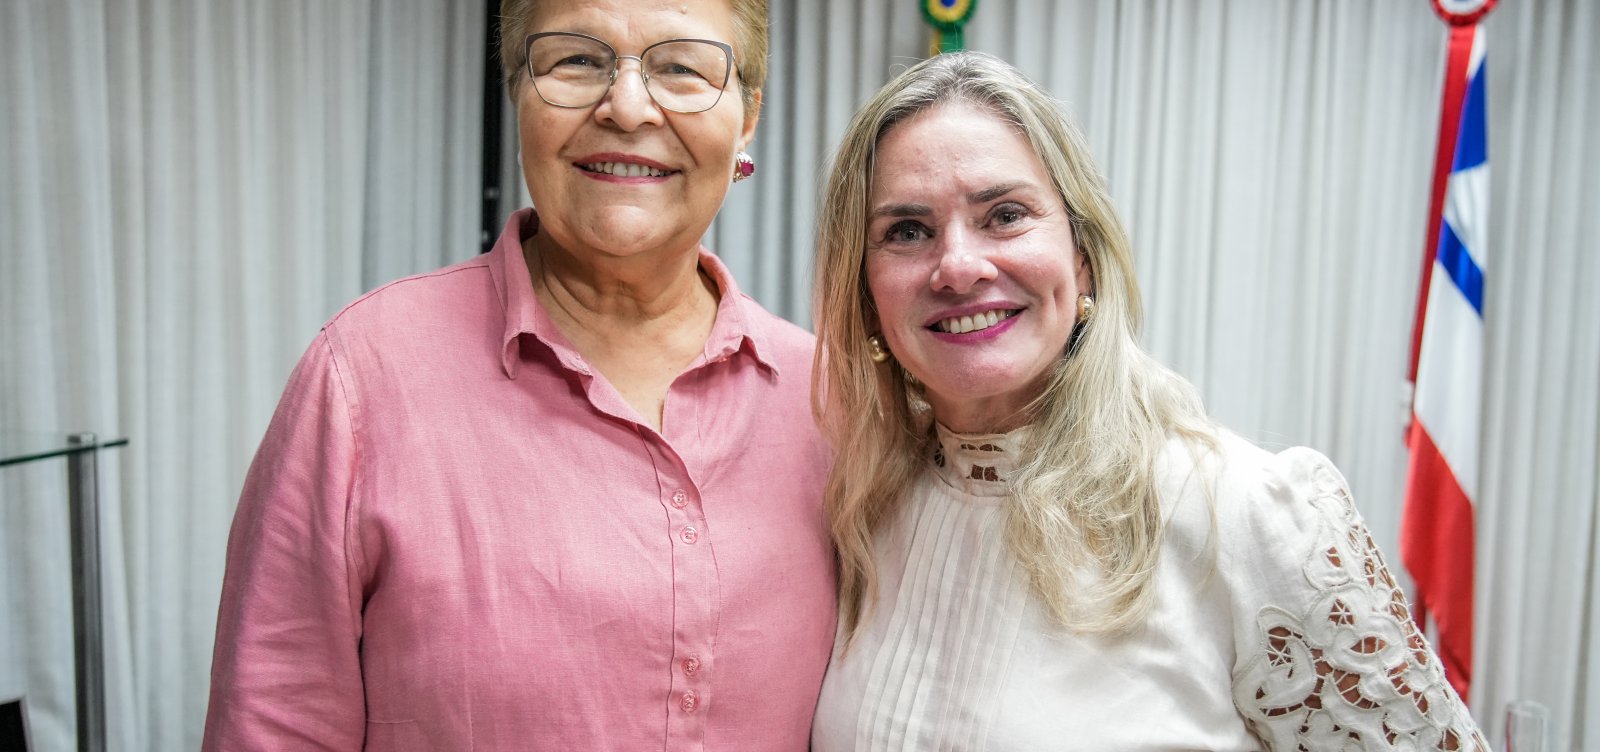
column 625, row 170
column 974, row 323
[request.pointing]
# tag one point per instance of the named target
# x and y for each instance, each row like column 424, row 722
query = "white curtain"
column 188, row 188
column 1538, row 602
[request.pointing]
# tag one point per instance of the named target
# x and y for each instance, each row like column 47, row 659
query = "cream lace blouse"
column 1277, row 628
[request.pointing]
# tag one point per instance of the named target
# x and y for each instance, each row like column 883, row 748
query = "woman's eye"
column 578, row 61
column 905, row 232
column 676, row 70
column 1007, row 214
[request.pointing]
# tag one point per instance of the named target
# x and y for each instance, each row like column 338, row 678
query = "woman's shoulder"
column 1244, row 477
column 1282, row 525
column 419, row 295
column 425, row 317
column 1259, row 510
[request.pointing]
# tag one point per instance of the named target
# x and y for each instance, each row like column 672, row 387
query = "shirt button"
column 680, row 499
column 691, row 665
column 689, row 535
column 689, row 701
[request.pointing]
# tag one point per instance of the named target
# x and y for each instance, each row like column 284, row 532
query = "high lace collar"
column 978, row 464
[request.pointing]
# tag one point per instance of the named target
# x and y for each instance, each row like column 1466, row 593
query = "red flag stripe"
column 1437, row 546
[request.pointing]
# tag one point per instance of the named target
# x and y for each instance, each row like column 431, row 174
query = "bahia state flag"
column 1436, row 534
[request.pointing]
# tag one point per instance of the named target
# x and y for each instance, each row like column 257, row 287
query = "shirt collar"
column 737, row 328
column 978, row 464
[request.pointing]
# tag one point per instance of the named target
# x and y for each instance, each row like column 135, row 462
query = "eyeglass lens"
column 571, row 70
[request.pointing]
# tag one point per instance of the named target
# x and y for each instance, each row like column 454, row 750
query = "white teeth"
column 624, row 169
column 979, row 322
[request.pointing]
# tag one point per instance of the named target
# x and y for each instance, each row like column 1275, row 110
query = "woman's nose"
column 963, row 263
column 628, row 103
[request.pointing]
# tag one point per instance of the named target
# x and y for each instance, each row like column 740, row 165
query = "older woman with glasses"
column 566, row 495
column 1044, row 542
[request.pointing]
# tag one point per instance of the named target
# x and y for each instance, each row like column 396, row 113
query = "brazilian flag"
column 947, row 17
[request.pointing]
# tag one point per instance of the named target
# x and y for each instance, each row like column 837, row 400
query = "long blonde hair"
column 1086, row 493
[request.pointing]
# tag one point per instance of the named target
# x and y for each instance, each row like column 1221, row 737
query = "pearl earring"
column 876, row 350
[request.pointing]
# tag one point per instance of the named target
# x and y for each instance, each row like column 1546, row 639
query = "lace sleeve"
column 1349, row 671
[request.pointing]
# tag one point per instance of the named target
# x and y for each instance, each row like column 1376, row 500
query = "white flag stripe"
column 1466, row 210
column 1449, row 379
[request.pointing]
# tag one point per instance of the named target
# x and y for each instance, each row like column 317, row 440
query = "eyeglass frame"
column 616, row 66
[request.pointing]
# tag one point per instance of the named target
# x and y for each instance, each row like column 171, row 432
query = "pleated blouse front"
column 957, row 654
column 1266, row 580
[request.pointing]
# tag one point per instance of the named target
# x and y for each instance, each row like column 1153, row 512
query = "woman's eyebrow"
column 922, row 210
column 993, row 192
column 900, row 210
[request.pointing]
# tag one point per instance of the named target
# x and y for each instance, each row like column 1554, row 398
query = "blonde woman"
column 1043, row 541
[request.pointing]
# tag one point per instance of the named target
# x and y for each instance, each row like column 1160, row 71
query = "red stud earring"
column 744, row 166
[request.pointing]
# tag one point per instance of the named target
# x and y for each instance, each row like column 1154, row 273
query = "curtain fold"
column 190, row 188
column 1539, row 520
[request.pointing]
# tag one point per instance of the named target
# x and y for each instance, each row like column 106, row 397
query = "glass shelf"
column 17, row 447
column 81, row 452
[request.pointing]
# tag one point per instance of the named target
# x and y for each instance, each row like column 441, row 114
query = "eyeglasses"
column 576, row 70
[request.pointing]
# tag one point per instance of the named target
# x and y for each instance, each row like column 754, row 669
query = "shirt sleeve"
column 1328, row 654
column 286, row 672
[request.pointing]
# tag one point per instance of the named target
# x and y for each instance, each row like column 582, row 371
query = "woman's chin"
column 624, row 243
column 989, row 380
column 627, row 232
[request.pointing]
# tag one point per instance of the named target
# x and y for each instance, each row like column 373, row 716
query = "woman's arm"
column 1329, row 656
column 286, row 671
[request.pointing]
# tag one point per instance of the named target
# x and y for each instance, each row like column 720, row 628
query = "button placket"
column 695, row 601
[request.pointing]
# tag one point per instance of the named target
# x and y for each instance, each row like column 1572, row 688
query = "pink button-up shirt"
column 457, row 535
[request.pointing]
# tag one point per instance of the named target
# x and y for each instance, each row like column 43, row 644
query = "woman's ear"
column 751, row 116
